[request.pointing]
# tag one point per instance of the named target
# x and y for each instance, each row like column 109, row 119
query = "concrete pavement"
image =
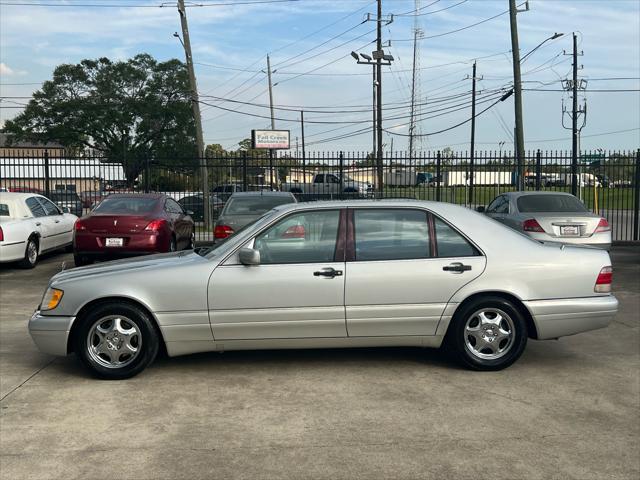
column 567, row 409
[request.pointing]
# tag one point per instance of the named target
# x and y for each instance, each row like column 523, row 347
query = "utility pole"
column 373, row 128
column 379, row 98
column 195, row 106
column 415, row 83
column 574, row 120
column 273, row 122
column 517, row 90
column 473, row 133
column 304, row 156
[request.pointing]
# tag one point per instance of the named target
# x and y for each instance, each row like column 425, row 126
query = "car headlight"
column 51, row 299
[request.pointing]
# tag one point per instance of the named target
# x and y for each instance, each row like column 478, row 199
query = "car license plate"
column 114, row 242
column 570, row 230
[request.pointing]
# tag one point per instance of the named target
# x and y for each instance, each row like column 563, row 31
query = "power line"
column 431, row 12
column 586, row 91
column 128, row 5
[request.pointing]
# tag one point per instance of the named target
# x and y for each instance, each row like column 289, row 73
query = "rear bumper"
column 134, row 244
column 12, row 251
column 562, row 317
column 600, row 240
column 50, row 333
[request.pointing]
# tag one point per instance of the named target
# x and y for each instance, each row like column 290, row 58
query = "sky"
column 309, row 43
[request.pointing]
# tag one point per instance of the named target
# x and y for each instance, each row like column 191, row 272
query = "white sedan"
column 30, row 225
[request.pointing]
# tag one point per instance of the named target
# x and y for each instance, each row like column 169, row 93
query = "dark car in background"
column 67, row 199
column 244, row 207
column 195, row 203
column 223, row 192
column 90, row 198
column 132, row 224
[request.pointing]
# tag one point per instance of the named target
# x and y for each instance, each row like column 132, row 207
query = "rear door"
column 61, row 229
column 297, row 291
column 403, row 267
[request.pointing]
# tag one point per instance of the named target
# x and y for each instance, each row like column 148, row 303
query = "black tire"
column 81, row 260
column 173, row 245
column 467, row 342
column 31, row 253
column 132, row 318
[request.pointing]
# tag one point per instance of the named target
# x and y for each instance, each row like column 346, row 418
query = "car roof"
column 264, row 193
column 13, row 196
column 156, row 196
column 524, row 194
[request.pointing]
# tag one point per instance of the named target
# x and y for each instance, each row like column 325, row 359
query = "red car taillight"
column 295, row 231
column 222, row 231
column 603, row 226
column 532, row 225
column 1, row 235
column 155, row 225
column 79, row 226
column 603, row 282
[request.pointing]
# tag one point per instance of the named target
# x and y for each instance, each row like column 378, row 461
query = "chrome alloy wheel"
column 32, row 252
column 114, row 341
column 489, row 334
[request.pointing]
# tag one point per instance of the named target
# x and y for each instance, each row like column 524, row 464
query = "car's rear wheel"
column 116, row 341
column 31, row 254
column 489, row 333
column 172, row 244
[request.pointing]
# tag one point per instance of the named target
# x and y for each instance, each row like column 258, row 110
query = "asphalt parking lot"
column 568, row 409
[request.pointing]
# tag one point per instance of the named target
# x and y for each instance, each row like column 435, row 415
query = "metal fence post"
column 244, row 170
column 438, row 176
column 341, row 171
column 636, row 199
column 471, row 171
column 47, row 187
column 538, row 170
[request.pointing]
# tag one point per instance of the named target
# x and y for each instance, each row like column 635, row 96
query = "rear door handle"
column 328, row 272
column 457, row 267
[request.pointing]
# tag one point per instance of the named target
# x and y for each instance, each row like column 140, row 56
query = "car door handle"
column 456, row 267
column 328, row 272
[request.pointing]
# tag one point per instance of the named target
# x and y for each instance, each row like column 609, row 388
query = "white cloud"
column 6, row 70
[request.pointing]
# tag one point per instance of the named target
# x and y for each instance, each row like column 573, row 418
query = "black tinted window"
column 391, row 234
column 450, row 243
column 550, row 203
column 254, row 205
column 305, row 237
column 126, row 205
column 35, row 207
column 49, row 207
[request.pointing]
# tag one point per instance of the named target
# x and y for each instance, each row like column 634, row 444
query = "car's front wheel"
column 488, row 333
column 116, row 341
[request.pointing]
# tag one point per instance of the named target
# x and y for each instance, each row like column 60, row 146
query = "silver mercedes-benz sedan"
column 550, row 217
column 332, row 274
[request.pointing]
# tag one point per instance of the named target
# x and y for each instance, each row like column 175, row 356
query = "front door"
column 405, row 267
column 297, row 291
column 60, row 230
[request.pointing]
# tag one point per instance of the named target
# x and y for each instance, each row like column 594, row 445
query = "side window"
column 504, row 206
column 495, row 204
column 319, row 179
column 49, row 207
column 305, row 237
column 35, row 207
column 450, row 243
column 391, row 234
column 332, row 179
column 172, row 206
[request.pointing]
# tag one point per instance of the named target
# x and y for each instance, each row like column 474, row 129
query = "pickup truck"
column 328, row 185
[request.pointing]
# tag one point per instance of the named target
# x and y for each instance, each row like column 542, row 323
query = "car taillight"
column 79, row 226
column 603, row 226
column 532, row 225
column 223, row 231
column 295, row 231
column 603, row 282
column 1, row 235
column 155, row 225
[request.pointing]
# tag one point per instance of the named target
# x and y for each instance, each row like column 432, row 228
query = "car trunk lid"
column 567, row 225
column 116, row 224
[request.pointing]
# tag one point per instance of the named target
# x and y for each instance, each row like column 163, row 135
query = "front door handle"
column 457, row 267
column 328, row 272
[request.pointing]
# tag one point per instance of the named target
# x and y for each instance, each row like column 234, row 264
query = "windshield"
column 550, row 203
column 127, row 205
column 255, row 204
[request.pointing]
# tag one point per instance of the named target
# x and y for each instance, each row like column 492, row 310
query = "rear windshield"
column 550, row 203
column 127, row 205
column 4, row 210
column 255, row 205
column 63, row 196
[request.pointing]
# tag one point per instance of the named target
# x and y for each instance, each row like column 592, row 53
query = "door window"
column 172, row 206
column 305, row 237
column 450, row 243
column 36, row 208
column 391, row 234
column 493, row 206
column 504, row 206
column 49, row 207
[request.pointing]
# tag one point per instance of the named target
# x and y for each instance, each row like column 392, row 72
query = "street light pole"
column 379, row 99
column 517, row 90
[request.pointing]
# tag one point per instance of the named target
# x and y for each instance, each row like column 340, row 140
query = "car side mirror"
column 249, row 256
column 481, row 209
column 66, row 210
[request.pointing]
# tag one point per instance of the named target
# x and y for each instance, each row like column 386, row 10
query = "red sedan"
column 132, row 224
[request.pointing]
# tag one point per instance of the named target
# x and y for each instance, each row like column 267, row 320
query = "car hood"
column 151, row 262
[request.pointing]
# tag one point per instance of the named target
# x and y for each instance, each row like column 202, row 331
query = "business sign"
column 270, row 139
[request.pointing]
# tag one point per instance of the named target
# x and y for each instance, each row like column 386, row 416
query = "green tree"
column 130, row 111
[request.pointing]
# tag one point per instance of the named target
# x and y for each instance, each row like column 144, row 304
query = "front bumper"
column 50, row 333
column 568, row 316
